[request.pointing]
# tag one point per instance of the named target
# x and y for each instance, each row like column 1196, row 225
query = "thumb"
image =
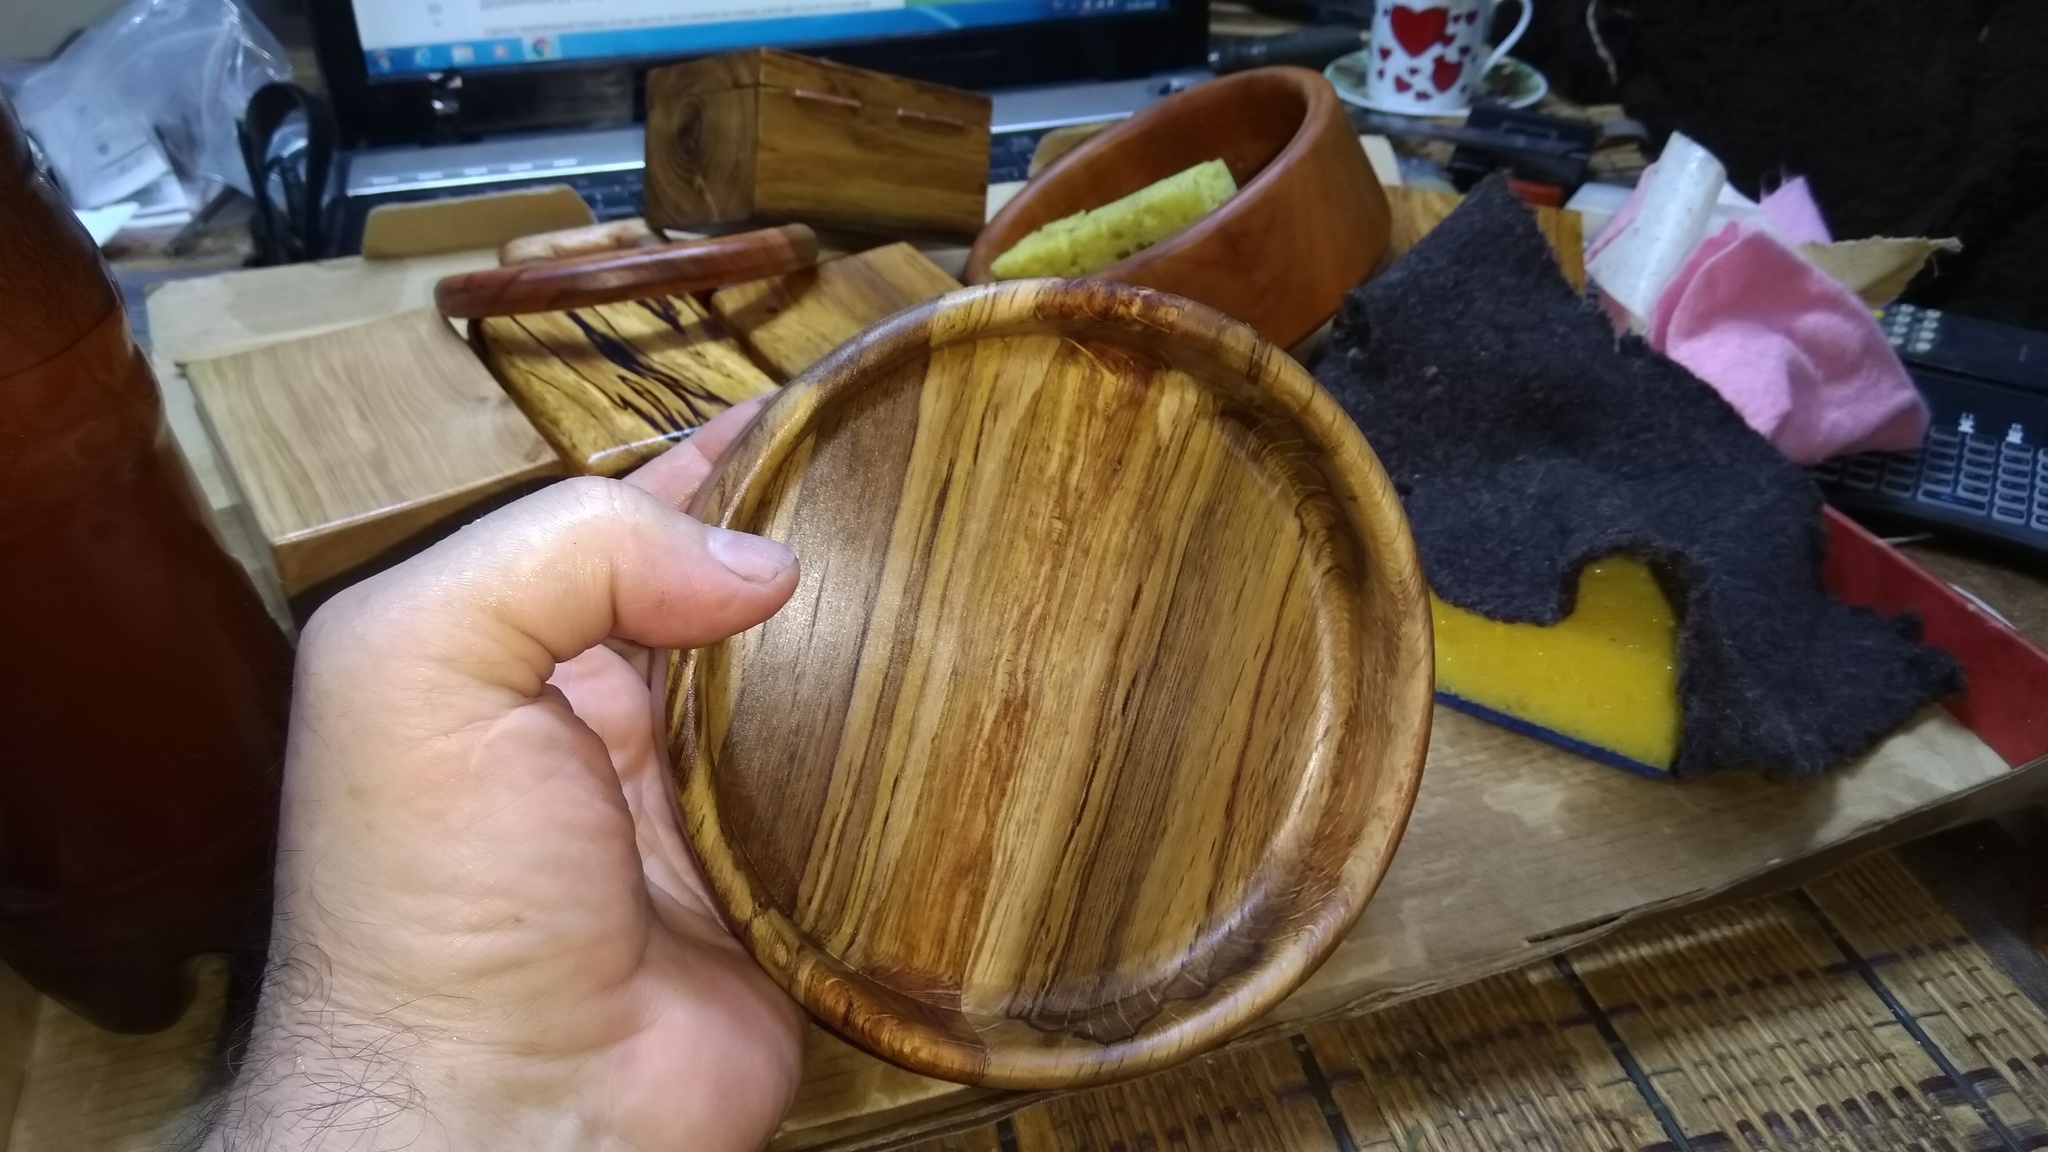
column 552, row 575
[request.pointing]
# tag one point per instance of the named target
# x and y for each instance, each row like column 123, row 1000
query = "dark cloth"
column 1526, row 441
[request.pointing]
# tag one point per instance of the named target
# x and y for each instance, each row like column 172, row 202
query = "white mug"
column 1427, row 56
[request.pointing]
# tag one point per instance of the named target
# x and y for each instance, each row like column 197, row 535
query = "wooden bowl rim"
column 1322, row 102
column 884, row 1020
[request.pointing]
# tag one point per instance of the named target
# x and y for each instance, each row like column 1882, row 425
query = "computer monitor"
column 411, row 38
column 416, row 70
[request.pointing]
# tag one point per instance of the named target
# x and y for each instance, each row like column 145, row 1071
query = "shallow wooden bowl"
column 1308, row 224
column 1102, row 702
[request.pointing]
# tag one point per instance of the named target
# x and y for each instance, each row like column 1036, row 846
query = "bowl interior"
column 1052, row 762
column 1246, row 121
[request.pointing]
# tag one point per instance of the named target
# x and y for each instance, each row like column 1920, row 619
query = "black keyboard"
column 1981, row 474
column 616, row 195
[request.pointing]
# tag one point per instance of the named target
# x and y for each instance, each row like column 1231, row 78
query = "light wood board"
column 348, row 442
column 215, row 316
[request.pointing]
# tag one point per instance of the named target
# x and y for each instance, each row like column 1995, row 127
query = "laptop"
column 437, row 98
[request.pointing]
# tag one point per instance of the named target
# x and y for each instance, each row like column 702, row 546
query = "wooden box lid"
column 787, row 71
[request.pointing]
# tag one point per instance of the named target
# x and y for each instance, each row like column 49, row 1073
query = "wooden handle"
column 609, row 277
column 585, row 241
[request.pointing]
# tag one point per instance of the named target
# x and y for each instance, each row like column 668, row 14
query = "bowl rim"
column 844, row 999
column 1322, row 101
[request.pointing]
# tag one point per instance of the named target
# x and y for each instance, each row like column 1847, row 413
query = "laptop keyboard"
column 616, row 195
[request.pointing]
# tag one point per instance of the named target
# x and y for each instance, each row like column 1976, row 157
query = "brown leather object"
column 633, row 274
column 1308, row 224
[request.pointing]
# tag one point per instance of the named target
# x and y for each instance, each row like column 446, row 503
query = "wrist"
column 319, row 1074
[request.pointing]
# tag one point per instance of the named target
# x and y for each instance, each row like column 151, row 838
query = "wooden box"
column 763, row 137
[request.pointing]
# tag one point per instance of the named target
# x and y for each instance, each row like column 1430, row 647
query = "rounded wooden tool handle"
column 635, row 274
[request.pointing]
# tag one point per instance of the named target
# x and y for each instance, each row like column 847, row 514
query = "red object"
column 1416, row 30
column 1537, row 194
column 2005, row 701
column 143, row 718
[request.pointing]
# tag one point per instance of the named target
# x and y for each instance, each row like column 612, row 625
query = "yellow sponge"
column 1602, row 681
column 1091, row 241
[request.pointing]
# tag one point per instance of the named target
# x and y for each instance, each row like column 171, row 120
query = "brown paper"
column 1877, row 269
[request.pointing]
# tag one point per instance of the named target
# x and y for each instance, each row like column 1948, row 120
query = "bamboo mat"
column 1855, row 1014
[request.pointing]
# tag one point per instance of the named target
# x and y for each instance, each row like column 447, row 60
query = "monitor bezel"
column 579, row 94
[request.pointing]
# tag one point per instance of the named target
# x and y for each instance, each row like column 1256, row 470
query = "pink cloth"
column 1796, row 353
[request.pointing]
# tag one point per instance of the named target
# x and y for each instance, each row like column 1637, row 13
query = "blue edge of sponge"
column 1514, row 724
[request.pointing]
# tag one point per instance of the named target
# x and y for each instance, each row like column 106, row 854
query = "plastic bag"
column 174, row 72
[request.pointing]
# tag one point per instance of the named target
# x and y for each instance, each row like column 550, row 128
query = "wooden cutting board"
column 348, row 442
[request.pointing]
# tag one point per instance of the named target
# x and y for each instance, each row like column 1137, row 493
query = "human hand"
column 489, row 930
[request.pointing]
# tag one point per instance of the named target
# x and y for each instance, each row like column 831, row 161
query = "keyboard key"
column 1943, row 437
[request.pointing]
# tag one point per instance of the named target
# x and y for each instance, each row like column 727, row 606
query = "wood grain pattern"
column 790, row 322
column 766, row 135
column 612, row 276
column 615, row 385
column 1308, row 223
column 1100, row 708
column 348, row 442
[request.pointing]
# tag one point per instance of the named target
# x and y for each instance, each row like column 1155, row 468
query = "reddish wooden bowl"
column 1308, row 223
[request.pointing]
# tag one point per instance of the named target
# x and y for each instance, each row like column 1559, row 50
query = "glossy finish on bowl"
column 1102, row 702
column 1308, row 224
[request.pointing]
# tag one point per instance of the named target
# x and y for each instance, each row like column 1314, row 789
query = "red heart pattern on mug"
column 1445, row 74
column 1401, row 84
column 1416, row 29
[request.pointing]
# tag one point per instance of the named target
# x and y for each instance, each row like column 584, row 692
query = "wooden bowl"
column 1308, row 224
column 1102, row 701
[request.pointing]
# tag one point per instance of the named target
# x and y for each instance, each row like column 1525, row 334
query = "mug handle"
column 1507, row 43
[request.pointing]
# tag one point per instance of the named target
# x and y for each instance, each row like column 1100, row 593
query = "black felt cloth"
column 1526, row 441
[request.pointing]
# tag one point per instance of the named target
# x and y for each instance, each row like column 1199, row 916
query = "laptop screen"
column 407, row 38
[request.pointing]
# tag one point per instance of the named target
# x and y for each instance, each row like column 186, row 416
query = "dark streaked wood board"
column 790, row 322
column 348, row 442
column 1102, row 703
column 617, row 384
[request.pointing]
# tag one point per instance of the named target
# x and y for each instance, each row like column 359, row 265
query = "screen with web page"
column 403, row 38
